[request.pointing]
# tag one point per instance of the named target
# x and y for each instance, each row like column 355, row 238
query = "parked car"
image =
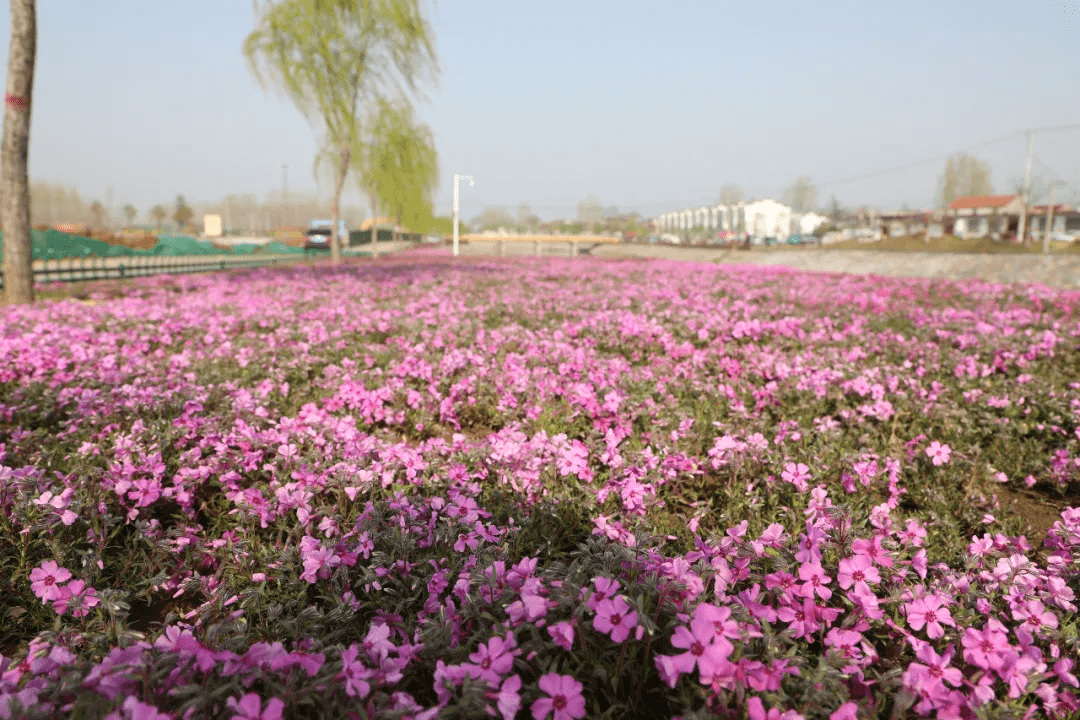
column 317, row 238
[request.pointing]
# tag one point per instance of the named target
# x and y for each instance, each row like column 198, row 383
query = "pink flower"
column 355, row 673
column 565, row 698
column 797, row 474
column 706, row 648
column 816, row 580
column 45, row 581
column 495, row 658
column 858, row 571
column 847, row 711
column 78, row 598
column 507, row 699
column 939, row 453
column 605, row 589
column 563, row 634
column 615, row 618
column 249, row 707
column 929, row 610
column 985, row 648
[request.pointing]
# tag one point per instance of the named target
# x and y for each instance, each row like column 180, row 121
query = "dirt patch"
column 1039, row 511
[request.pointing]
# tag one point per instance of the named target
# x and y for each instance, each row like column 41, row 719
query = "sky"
column 648, row 106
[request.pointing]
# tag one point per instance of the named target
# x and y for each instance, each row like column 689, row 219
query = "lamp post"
column 456, row 178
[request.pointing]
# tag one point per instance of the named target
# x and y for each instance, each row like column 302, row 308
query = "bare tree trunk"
column 339, row 184
column 374, row 226
column 14, row 181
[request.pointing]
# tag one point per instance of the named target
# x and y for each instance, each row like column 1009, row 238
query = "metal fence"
column 114, row 268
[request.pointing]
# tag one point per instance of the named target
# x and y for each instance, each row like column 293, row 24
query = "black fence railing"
column 116, row 268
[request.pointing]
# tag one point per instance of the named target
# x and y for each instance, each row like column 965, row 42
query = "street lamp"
column 456, row 178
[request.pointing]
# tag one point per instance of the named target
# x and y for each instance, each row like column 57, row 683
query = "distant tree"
column 332, row 56
column 834, row 209
column 963, row 176
column 97, row 212
column 130, row 213
column 590, row 212
column 158, row 213
column 731, row 195
column 527, row 219
column 802, row 196
column 14, row 178
column 494, row 217
column 183, row 213
column 398, row 163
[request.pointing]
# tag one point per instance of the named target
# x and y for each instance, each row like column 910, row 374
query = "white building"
column 761, row 218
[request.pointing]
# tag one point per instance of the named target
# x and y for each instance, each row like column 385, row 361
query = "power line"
column 1060, row 179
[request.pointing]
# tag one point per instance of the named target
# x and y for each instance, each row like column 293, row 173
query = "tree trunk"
column 14, row 182
column 374, row 226
column 335, row 209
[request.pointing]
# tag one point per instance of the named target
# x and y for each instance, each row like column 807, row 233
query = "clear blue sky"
column 648, row 105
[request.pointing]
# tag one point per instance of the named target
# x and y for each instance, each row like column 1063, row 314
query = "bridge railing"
column 574, row 242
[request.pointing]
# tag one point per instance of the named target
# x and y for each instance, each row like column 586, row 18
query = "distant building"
column 995, row 216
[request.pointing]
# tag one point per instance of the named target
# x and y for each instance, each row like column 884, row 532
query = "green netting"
column 183, row 245
column 53, row 244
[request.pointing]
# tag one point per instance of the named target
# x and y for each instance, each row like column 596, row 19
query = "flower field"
column 537, row 489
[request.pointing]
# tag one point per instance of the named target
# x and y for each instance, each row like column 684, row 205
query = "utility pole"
column 285, row 194
column 1024, row 199
column 456, row 178
column 1049, row 221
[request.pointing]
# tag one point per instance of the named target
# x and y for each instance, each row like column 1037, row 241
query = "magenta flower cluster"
column 550, row 490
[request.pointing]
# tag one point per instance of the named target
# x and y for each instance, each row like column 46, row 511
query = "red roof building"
column 989, row 202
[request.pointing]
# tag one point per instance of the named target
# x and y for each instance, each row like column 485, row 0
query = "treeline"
column 54, row 204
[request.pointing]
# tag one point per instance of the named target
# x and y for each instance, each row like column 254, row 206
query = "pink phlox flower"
column 857, row 571
column 250, row 707
column 79, row 599
column 496, row 657
column 1035, row 616
column 810, row 544
column 1062, row 669
column 355, row 673
column 850, row 643
column 938, row 453
column 135, row 709
column 915, row 534
column 46, row 580
column 615, row 618
column 529, row 608
column 985, row 648
column 781, row 582
column 145, row 492
column 873, row 549
column 797, row 474
column 1015, row 670
column 604, row 589
column 815, row 579
column 847, row 711
column 802, row 617
column 706, row 649
column 377, row 644
column 507, row 699
column 749, row 600
column 562, row 634
column 565, row 698
column 929, row 610
column 755, row 710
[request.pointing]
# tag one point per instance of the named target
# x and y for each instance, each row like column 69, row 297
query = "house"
column 996, row 216
column 1065, row 222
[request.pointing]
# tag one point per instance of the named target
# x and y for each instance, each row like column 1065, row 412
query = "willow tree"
column 399, row 167
column 332, row 58
column 14, row 179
